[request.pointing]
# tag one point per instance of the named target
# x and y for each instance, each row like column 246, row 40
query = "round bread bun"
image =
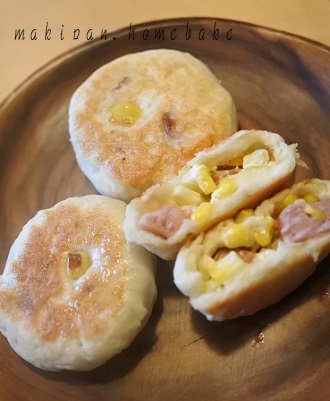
column 179, row 108
column 55, row 314
column 275, row 270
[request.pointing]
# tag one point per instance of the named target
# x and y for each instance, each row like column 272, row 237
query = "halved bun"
column 267, row 167
column 246, row 279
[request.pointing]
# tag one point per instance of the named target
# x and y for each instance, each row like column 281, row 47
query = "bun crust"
column 55, row 321
column 183, row 108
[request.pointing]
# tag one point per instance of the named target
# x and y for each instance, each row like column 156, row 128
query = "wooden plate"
column 280, row 83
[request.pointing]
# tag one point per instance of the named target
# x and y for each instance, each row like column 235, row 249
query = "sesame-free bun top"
column 137, row 120
column 57, row 316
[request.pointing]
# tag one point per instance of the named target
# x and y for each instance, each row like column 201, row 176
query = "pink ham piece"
column 297, row 226
column 246, row 255
column 164, row 221
column 217, row 175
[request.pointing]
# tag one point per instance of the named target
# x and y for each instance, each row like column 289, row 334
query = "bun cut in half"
column 74, row 292
column 254, row 259
column 236, row 173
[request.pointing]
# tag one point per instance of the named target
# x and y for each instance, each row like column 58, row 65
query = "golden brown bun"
column 56, row 321
column 183, row 107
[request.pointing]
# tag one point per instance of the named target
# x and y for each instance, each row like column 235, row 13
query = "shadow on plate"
column 228, row 336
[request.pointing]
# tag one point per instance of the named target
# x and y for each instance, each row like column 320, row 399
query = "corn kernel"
column 206, row 264
column 257, row 158
column 204, row 180
column 290, row 198
column 310, row 198
column 314, row 212
column 237, row 235
column 185, row 196
column 243, row 215
column 203, row 213
column 125, row 112
column 228, row 266
column 188, row 179
column 76, row 263
column 264, row 233
column 225, row 188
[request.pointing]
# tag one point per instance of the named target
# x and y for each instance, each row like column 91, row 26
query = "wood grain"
column 280, row 83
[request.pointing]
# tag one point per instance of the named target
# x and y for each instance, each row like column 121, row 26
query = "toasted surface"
column 183, row 109
column 57, row 322
column 274, row 272
column 252, row 185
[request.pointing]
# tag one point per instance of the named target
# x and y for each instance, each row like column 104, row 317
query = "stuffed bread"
column 236, row 173
column 253, row 260
column 138, row 119
column 74, row 292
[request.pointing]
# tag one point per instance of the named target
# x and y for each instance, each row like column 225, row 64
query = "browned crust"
column 40, row 277
column 200, row 120
column 136, row 162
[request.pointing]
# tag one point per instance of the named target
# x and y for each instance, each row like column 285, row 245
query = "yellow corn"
column 264, row 233
column 226, row 267
column 206, row 264
column 125, row 112
column 204, row 180
column 189, row 178
column 225, row 188
column 256, row 158
column 314, row 212
column 185, row 196
column 203, row 213
column 290, row 198
column 310, row 198
column 243, row 215
column 237, row 235
column 76, row 263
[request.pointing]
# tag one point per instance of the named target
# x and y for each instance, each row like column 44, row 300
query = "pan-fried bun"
column 74, row 292
column 235, row 173
column 244, row 264
column 138, row 119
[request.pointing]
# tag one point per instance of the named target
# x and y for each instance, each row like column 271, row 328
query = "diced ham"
column 297, row 226
column 169, row 124
column 165, row 221
column 246, row 255
column 220, row 173
column 220, row 253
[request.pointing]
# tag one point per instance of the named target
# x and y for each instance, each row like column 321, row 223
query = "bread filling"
column 199, row 184
column 242, row 240
column 201, row 188
column 238, row 243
